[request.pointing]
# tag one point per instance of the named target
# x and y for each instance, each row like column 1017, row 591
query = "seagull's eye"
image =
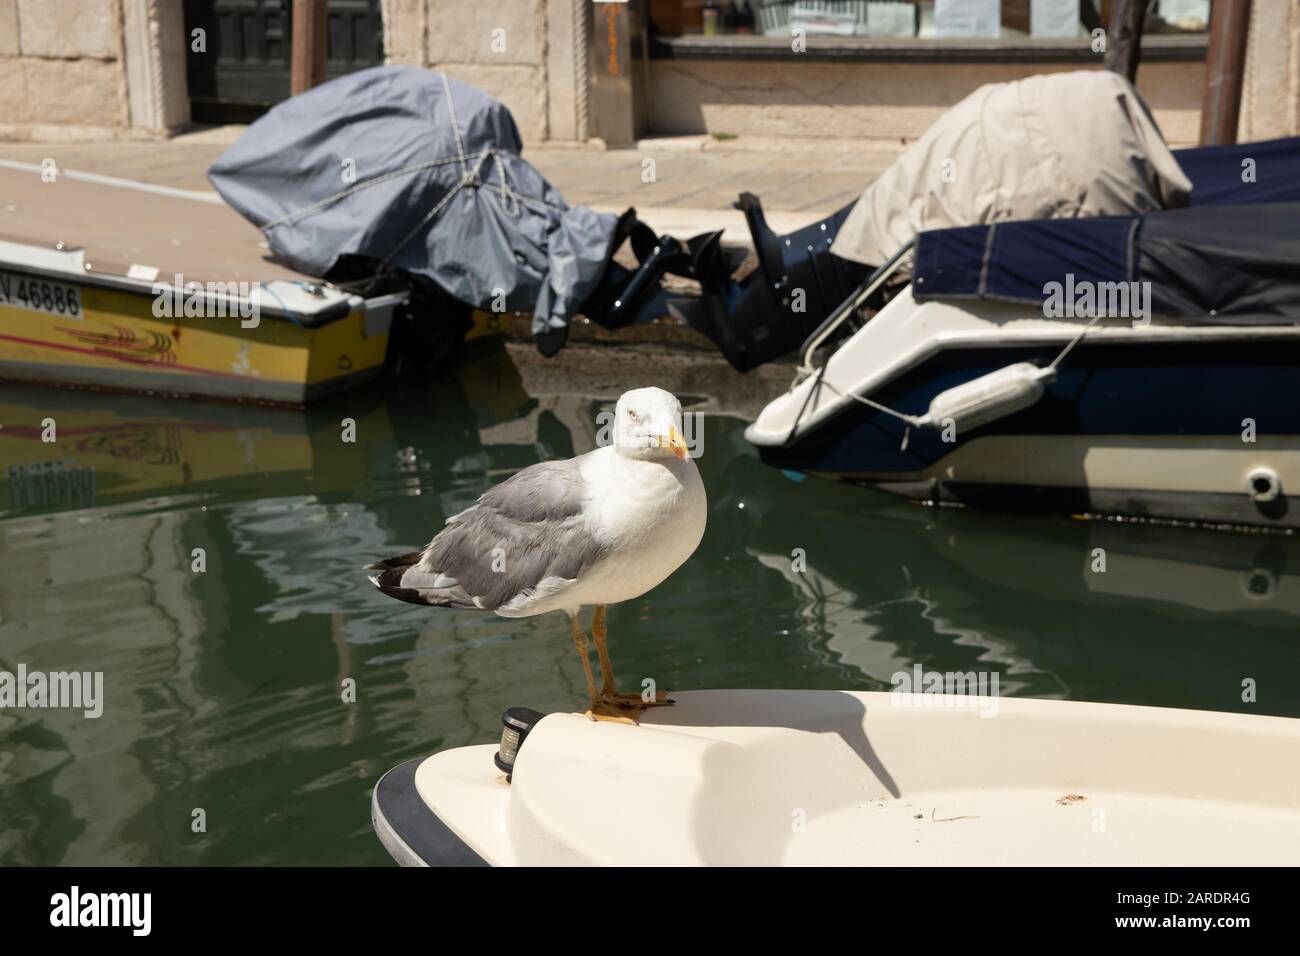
column 634, row 417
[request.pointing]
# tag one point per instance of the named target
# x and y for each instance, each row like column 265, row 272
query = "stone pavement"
column 694, row 178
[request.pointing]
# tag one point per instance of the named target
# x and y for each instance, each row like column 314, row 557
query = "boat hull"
column 412, row 833
column 114, row 341
column 1166, row 431
column 116, row 285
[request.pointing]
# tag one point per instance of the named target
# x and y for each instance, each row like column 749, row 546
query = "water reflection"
column 224, row 685
column 1179, row 617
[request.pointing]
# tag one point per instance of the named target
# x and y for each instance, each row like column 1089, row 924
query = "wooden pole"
column 1225, row 66
column 307, row 61
column 1124, row 38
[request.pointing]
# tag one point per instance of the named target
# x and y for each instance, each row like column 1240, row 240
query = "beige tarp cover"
column 1055, row 146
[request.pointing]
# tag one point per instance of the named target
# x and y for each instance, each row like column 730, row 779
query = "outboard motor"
column 797, row 284
column 627, row 296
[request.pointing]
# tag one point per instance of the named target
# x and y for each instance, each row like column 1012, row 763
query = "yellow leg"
column 580, row 641
column 599, row 708
column 608, row 687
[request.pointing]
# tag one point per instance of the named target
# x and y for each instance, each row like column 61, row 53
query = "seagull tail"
column 403, row 579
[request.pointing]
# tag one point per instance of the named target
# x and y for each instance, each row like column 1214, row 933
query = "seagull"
column 597, row 529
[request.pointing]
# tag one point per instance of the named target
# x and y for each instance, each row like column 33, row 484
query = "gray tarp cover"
column 1055, row 146
column 423, row 173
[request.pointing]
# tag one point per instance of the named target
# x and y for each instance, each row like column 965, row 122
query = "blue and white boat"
column 1144, row 365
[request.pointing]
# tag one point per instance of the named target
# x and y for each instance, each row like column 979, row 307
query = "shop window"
column 901, row 20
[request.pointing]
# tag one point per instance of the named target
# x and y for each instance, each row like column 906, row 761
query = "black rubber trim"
column 419, row 827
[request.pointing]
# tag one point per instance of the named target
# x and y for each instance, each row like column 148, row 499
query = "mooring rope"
column 581, row 70
column 1074, row 341
column 918, row 421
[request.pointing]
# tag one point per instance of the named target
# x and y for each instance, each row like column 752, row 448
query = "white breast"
column 649, row 515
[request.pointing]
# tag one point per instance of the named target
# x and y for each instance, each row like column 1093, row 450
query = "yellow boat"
column 112, row 284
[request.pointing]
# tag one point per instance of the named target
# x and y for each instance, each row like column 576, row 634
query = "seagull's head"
column 648, row 424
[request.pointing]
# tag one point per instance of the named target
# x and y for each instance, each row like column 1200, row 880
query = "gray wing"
column 522, row 541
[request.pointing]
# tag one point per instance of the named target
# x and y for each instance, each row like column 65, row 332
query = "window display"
column 903, row 19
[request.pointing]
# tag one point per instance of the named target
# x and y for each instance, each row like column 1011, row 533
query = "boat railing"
column 847, row 308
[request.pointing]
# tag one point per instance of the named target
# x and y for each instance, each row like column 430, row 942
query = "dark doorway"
column 245, row 69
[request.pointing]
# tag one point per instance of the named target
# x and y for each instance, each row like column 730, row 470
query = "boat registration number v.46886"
column 40, row 295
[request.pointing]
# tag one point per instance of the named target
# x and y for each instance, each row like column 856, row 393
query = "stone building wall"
column 870, row 100
column 1271, row 99
column 520, row 51
column 91, row 69
column 62, row 64
column 536, row 73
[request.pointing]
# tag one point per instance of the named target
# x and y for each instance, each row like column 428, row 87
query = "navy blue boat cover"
column 1232, row 257
column 1243, row 172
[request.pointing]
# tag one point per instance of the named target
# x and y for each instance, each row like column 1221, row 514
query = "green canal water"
column 223, row 687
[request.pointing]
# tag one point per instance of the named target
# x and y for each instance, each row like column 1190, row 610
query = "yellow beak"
column 675, row 441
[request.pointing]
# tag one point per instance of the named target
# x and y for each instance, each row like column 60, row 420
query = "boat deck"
column 111, row 284
column 132, row 229
column 852, row 778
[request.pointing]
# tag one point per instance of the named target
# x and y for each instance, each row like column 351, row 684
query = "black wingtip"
column 409, row 595
column 389, row 579
column 397, row 563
